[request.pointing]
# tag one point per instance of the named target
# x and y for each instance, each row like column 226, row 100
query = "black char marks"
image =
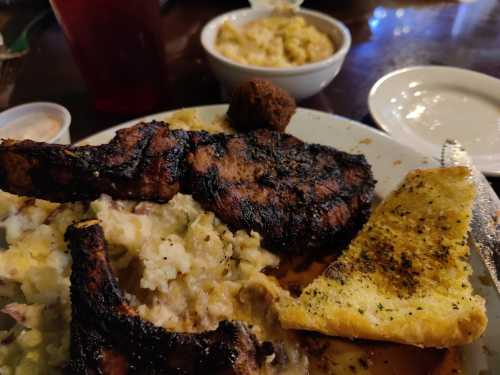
column 298, row 196
column 144, row 162
column 108, row 337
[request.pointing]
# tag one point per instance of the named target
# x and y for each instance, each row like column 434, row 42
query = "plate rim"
column 377, row 117
column 124, row 124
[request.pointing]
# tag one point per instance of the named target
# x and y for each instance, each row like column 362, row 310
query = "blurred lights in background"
column 398, row 21
column 394, row 18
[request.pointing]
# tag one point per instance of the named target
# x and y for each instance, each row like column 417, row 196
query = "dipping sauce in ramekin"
column 43, row 122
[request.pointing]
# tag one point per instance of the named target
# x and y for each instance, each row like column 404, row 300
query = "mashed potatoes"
column 193, row 266
column 34, row 286
column 181, row 268
column 276, row 41
column 188, row 119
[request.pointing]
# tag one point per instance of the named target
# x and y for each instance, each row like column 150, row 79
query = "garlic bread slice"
column 405, row 277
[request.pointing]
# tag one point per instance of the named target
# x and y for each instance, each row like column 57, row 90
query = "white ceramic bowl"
column 302, row 81
column 25, row 118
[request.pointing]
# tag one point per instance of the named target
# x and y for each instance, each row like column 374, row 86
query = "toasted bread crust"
column 405, row 276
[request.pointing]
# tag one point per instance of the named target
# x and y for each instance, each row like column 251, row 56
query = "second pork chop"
column 298, row 196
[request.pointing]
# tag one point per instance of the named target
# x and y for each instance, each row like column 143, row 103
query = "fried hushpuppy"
column 258, row 103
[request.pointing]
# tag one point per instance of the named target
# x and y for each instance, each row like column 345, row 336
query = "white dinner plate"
column 390, row 161
column 422, row 106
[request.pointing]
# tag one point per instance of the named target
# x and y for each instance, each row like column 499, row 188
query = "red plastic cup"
column 118, row 47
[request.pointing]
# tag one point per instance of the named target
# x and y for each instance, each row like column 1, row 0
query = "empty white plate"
column 423, row 106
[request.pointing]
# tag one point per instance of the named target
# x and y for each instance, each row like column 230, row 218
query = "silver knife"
column 485, row 225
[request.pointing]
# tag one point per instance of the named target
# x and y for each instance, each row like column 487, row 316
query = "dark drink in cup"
column 117, row 46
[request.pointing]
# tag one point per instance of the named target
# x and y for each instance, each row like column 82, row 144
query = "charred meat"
column 298, row 196
column 108, row 337
column 258, row 104
column 144, row 162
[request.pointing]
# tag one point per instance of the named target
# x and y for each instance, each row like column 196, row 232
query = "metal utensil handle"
column 485, row 224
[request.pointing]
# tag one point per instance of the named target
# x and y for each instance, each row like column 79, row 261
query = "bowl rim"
column 335, row 57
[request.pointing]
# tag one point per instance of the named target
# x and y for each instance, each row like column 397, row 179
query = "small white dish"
column 39, row 121
column 301, row 81
column 422, row 106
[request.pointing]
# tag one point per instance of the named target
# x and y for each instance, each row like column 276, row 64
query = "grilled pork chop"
column 298, row 196
column 109, row 338
column 144, row 162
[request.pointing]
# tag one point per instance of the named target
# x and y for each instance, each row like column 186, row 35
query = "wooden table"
column 387, row 35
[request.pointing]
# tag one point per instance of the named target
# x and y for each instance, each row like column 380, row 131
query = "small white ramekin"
column 55, row 110
column 301, row 81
